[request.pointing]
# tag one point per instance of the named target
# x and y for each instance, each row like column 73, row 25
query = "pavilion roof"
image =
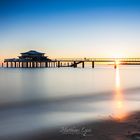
column 32, row 52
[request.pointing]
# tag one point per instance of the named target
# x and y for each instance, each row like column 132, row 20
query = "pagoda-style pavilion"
column 33, row 55
column 30, row 59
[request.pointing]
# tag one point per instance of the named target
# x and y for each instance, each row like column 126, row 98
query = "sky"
column 70, row 28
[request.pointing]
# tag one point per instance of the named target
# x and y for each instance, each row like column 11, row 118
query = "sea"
column 36, row 99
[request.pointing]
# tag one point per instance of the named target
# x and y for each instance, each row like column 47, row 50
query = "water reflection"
column 119, row 101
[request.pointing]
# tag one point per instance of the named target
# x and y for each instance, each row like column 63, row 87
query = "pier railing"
column 98, row 59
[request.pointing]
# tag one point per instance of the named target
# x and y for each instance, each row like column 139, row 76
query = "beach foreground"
column 111, row 129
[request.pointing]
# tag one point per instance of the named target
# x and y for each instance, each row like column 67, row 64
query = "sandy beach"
column 111, row 129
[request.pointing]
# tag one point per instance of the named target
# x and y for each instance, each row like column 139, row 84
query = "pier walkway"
column 68, row 62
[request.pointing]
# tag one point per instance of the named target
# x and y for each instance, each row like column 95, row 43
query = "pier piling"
column 15, row 65
column 7, row 64
column 83, row 64
column 46, row 64
column 58, row 64
column 92, row 64
column 75, row 65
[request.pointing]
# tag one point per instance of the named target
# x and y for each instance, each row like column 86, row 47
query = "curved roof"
column 32, row 52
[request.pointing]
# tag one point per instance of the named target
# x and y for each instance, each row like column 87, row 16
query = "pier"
column 34, row 59
column 74, row 62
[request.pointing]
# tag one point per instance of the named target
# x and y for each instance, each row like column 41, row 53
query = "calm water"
column 36, row 99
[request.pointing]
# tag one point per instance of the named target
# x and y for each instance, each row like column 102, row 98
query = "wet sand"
column 111, row 129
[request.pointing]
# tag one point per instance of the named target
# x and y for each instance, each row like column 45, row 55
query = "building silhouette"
column 30, row 59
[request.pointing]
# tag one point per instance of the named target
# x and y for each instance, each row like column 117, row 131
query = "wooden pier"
column 68, row 62
column 29, row 64
column 34, row 59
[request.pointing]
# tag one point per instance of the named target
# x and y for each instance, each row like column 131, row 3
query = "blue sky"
column 70, row 28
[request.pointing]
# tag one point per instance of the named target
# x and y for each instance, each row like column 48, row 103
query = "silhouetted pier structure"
column 30, row 59
column 34, row 59
column 74, row 62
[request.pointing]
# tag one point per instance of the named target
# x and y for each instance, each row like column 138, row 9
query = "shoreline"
column 111, row 129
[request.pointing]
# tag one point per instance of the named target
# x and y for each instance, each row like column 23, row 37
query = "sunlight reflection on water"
column 119, row 101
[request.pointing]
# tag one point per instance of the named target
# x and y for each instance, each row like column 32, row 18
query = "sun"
column 117, row 62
